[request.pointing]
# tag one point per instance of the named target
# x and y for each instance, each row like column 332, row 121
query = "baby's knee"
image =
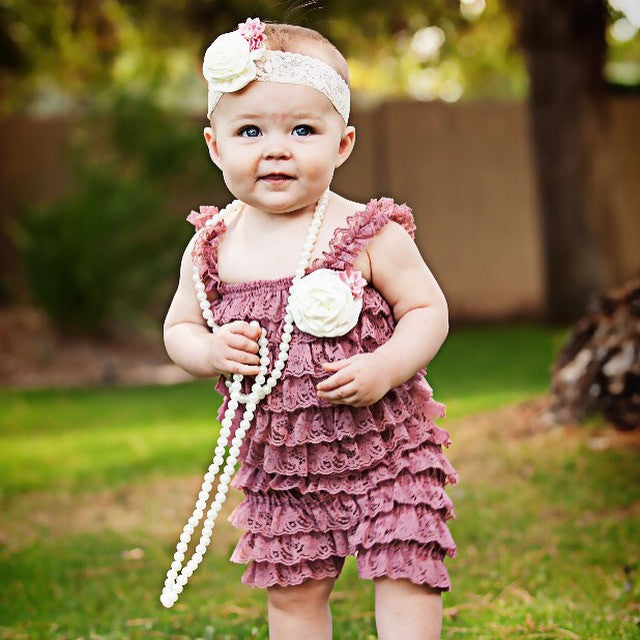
column 308, row 595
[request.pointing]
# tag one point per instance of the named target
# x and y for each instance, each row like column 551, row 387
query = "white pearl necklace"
column 177, row 576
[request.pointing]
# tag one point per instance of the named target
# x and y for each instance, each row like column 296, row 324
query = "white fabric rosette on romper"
column 327, row 303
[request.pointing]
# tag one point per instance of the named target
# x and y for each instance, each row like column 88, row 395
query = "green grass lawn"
column 96, row 485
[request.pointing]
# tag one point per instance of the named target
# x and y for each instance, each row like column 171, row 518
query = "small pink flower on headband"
column 354, row 279
column 253, row 31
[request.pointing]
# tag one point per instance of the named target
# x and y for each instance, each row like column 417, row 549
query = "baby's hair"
column 296, row 39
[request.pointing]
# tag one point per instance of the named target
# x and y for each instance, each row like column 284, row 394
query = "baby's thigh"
column 309, row 595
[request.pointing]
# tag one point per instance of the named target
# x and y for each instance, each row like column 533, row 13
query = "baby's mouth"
column 276, row 177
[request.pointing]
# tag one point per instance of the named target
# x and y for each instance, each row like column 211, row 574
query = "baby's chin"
column 284, row 206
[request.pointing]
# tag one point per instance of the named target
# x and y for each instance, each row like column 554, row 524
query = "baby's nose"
column 276, row 148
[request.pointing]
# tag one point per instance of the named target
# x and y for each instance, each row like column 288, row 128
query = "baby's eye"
column 250, row 131
column 303, row 130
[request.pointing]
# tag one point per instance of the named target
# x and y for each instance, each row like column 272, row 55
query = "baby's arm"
column 190, row 343
column 420, row 309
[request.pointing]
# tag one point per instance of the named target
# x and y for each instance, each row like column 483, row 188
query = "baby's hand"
column 359, row 380
column 234, row 349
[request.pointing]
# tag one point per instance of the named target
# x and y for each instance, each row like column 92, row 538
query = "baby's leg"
column 407, row 611
column 301, row 611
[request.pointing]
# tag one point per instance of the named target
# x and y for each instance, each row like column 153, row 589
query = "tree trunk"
column 565, row 47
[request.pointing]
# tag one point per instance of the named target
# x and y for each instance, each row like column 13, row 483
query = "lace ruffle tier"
column 323, row 481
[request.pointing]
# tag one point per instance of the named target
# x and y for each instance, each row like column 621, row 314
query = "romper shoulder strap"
column 362, row 226
column 205, row 249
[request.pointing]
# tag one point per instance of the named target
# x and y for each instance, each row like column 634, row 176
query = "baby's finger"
column 243, row 356
column 336, row 380
column 352, row 399
column 240, row 327
column 340, row 393
column 233, row 366
column 242, row 343
column 336, row 365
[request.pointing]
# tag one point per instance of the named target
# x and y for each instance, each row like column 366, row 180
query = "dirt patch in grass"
column 159, row 509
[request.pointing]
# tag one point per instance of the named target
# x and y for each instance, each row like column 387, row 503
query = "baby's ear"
column 345, row 147
column 212, row 145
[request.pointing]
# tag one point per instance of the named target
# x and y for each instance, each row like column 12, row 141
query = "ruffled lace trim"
column 205, row 250
column 267, row 574
column 291, row 550
column 348, row 454
column 288, row 512
column 362, row 226
column 420, row 563
column 405, row 522
column 423, row 457
column 324, row 424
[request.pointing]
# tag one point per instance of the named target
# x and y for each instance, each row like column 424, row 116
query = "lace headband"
column 236, row 58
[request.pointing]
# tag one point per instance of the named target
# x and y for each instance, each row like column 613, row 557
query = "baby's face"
column 278, row 145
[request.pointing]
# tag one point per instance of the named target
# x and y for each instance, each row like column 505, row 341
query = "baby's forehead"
column 275, row 100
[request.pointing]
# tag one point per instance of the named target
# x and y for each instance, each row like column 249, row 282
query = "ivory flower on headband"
column 236, row 58
column 229, row 62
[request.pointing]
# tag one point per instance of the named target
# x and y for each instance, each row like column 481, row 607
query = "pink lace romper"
column 322, row 481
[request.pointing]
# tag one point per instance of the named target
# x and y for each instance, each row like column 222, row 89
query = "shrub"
column 108, row 247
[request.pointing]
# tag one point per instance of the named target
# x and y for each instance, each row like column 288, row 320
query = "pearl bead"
column 181, row 580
